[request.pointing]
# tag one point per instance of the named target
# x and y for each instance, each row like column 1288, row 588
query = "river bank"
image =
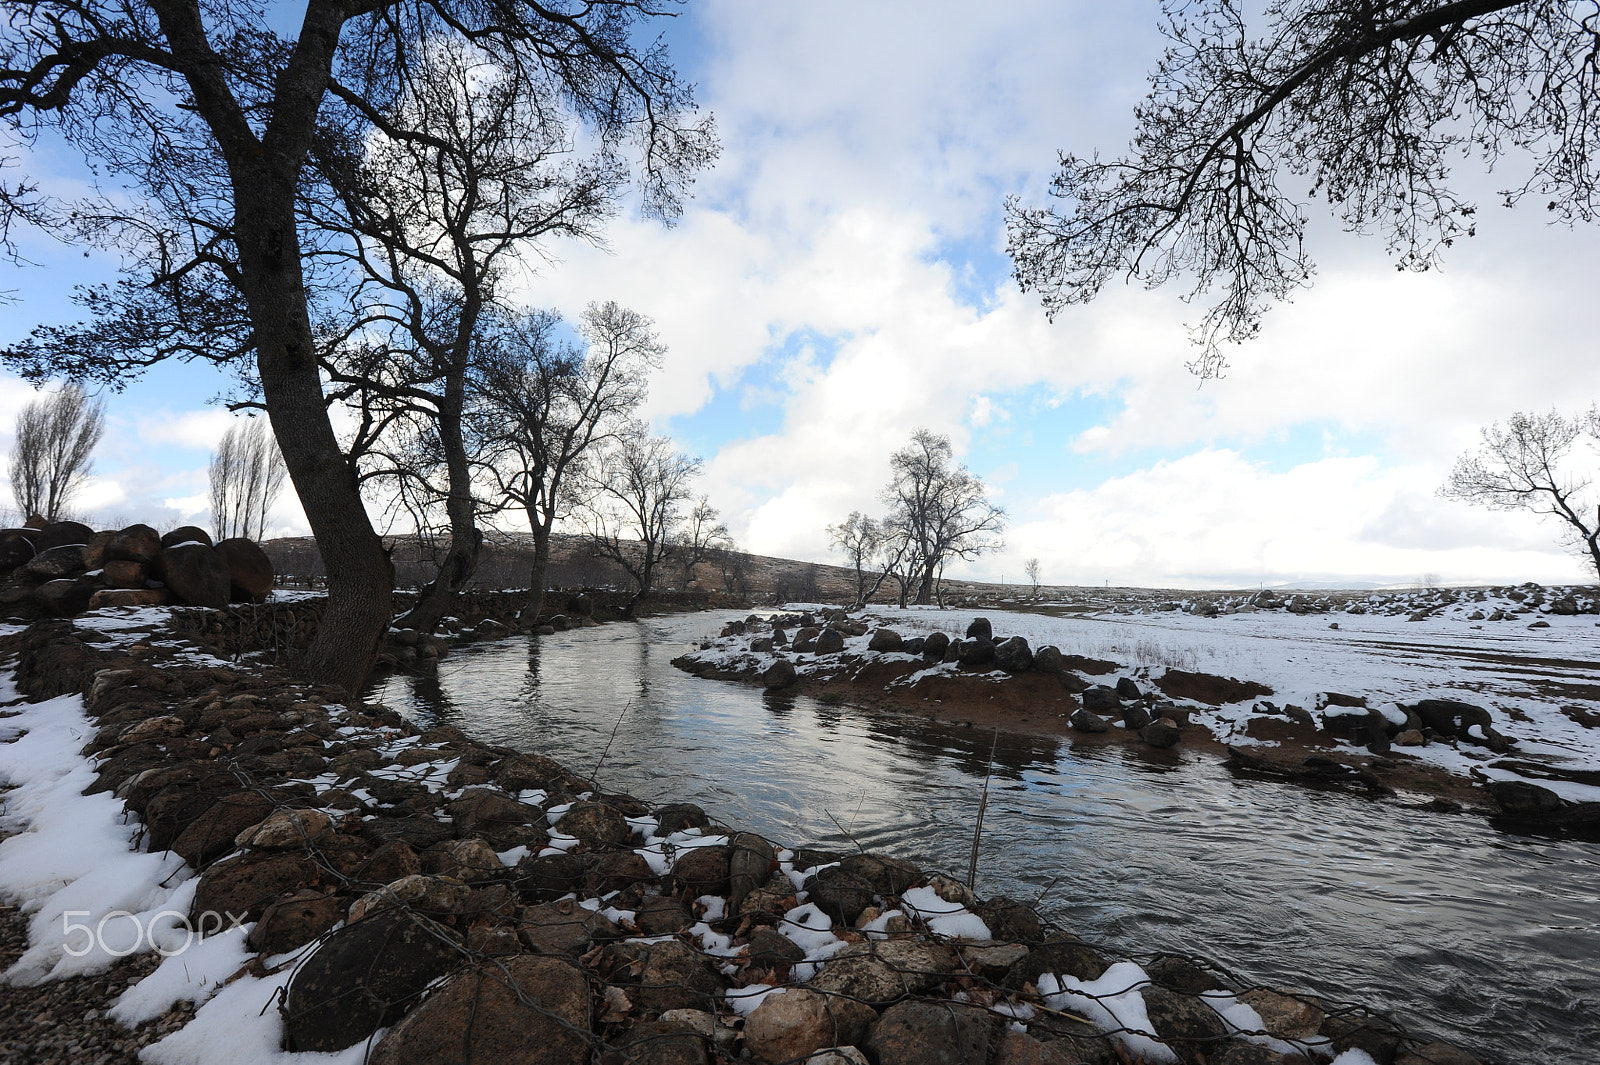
column 195, row 712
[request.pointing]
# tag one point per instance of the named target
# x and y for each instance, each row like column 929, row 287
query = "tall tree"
column 701, row 537
column 207, row 117
column 938, row 508
column 638, row 485
column 541, row 406
column 1367, row 103
column 53, row 451
column 246, row 476
column 1525, row 466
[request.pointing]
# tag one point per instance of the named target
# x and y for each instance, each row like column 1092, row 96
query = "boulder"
column 121, row 573
column 415, row 893
column 523, row 1010
column 884, row 641
column 1061, row 954
column 211, row 835
column 65, row 598
column 285, row 830
column 53, row 563
column 496, row 817
column 194, row 574
column 749, row 865
column 677, row 816
column 884, row 875
column 830, row 641
column 1127, row 689
column 94, row 552
column 659, row 915
column 58, row 533
column 703, row 871
column 291, row 923
column 884, row 971
column 16, row 548
column 1013, row 655
column 1135, row 717
column 1047, row 659
column 931, row 1033
column 676, row 977
column 545, row 878
column 249, row 569
column 980, row 629
column 1518, row 798
column 934, row 645
column 1162, row 732
column 1086, row 720
column 1435, row 1054
column 1184, row 1022
column 562, row 928
column 780, row 674
column 771, row 949
column 664, row 1042
column 241, row 888
column 792, row 1025
column 839, row 894
column 118, row 597
column 136, row 543
column 471, row 861
column 595, row 823
column 1285, row 1016
column 186, row 534
column 977, row 652
column 1101, row 699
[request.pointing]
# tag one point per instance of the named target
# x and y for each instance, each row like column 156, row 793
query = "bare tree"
column 1366, row 103
column 860, row 539
column 938, row 509
column 700, row 538
column 540, row 407
column 637, row 487
column 1030, row 569
column 207, row 118
column 52, row 454
column 1524, row 467
column 246, row 476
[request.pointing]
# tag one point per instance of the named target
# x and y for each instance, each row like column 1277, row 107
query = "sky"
column 839, row 280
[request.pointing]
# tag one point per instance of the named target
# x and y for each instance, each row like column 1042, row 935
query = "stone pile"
column 485, row 904
column 64, row 568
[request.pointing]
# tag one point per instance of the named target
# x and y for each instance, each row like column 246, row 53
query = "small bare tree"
column 700, row 539
column 1031, row 569
column 51, row 457
column 246, row 475
column 938, row 508
column 637, row 487
column 1523, row 467
column 860, row 539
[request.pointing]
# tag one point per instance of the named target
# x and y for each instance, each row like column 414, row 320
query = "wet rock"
column 285, row 830
column 524, row 1010
column 703, row 871
column 1061, row 954
column 595, row 823
column 1009, row 919
column 884, row 641
column 290, row 923
column 931, row 1033
column 934, row 645
column 1185, row 1023
column 249, row 569
column 780, row 674
column 562, row 928
column 839, row 894
column 1086, row 720
column 1013, row 655
column 980, row 629
column 1101, row 699
column 194, row 574
column 1518, row 798
column 1285, row 1016
column 884, row 875
column 1179, row 973
column 1162, row 732
column 882, row 971
column 1435, row 1054
column 789, row 1026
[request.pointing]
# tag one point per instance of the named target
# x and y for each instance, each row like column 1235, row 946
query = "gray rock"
column 978, row 651
column 1013, row 655
column 780, row 674
column 931, row 1033
column 839, row 894
column 830, row 641
column 934, row 645
column 886, row 876
column 55, row 563
column 1127, row 689
column 1162, row 732
column 562, row 928
column 1135, row 717
column 879, row 972
column 1101, row 699
column 885, row 641
column 980, row 628
column 1185, row 1023
column 1086, row 720
column 1047, row 659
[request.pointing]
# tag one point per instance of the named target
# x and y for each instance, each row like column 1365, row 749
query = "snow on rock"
column 1114, row 1003
column 944, row 918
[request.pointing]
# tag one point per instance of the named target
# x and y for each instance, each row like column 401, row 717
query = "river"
column 1456, row 929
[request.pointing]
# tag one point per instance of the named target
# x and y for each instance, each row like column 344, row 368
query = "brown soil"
column 1208, row 689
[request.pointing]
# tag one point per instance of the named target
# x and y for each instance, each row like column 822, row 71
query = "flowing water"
column 1488, row 940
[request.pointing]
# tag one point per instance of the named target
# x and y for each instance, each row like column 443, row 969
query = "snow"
column 809, row 927
column 1114, row 1003
column 945, row 918
column 1246, row 1023
column 1353, row 1057
column 744, row 1000
column 193, row 974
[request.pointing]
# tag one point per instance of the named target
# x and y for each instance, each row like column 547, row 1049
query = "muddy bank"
column 468, row 900
column 986, row 680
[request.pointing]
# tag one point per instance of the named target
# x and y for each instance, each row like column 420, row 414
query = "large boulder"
column 830, row 641
column 66, row 597
column 980, row 629
column 136, row 543
column 839, row 894
column 210, row 836
column 249, row 569
column 780, row 674
column 291, row 923
column 53, row 563
column 1047, row 659
column 129, row 597
column 1013, row 655
column 703, row 871
column 595, row 823
column 885, row 971
column 58, row 533
column 934, row 645
column 195, row 575
column 124, row 573
column 186, row 534
column 365, row 976
column 16, row 547
column 931, row 1033
column 562, row 928
column 794, row 1024
column 884, row 641
column 497, row 818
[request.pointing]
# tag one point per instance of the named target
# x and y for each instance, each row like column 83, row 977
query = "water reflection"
column 1483, row 938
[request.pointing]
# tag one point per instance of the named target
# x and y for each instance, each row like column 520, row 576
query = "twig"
column 1046, row 891
column 847, row 834
column 595, row 776
column 983, row 805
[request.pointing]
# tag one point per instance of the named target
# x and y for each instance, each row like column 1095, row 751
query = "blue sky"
column 839, row 281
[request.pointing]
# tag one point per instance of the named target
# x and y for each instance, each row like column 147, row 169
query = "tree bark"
column 536, row 574
column 466, row 541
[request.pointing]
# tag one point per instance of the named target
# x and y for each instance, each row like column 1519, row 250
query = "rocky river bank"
column 421, row 897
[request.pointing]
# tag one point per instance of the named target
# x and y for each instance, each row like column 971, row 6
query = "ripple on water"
column 1479, row 937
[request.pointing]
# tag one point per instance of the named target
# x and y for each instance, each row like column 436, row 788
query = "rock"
column 977, row 652
column 1252, row 1054
column 562, row 928
column 524, row 1010
column 419, row 831
column 59, row 533
column 1135, row 717
column 186, row 534
column 471, row 861
column 750, row 863
column 121, row 573
column 1178, row 973
column 1435, row 1054
column 934, row 645
column 662, row 1043
column 1013, row 655
column 285, row 830
column 544, row 878
column 211, row 835
column 136, row 543
column 1047, row 659
column 195, row 575
column 416, row 893
column 930, row 1033
column 703, row 871
column 789, row 1026
column 837, row 1056
column 884, row 641
column 885, row 876
column 980, row 629
column 1285, row 1016
column 1019, row 1048
column 524, row 772
column 55, row 563
column 780, row 674
column 829, row 641
column 617, row 871
column 501, row 820
column 771, row 949
column 1410, row 738
column 1163, row 732
column 1101, row 699
column 16, row 548
column 249, row 569
column 1374, row 1036
column 676, row 977
column 991, row 960
column 1183, row 1022
column 1127, row 689
column 118, row 597
column 1518, row 798
column 659, row 915
column 291, row 923
column 595, row 823
column 242, row 887
column 839, row 894
column 1009, row 919
column 1086, row 720
column 1061, row 954
column 883, row 971
column 66, row 598
column 677, row 816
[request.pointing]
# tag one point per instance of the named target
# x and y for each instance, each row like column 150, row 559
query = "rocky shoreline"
column 423, row 897
column 1001, row 682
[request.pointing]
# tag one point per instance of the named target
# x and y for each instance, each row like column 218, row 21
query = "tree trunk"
column 925, row 586
column 466, row 541
column 360, row 571
column 536, row 573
